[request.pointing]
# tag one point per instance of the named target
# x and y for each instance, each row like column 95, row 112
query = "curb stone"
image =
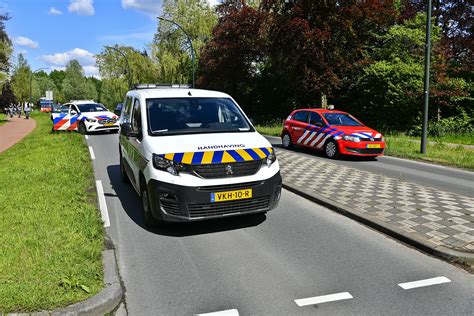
column 424, row 245
column 103, row 302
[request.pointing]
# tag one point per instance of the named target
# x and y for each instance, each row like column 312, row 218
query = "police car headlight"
column 91, row 120
column 351, row 138
column 164, row 165
column 271, row 158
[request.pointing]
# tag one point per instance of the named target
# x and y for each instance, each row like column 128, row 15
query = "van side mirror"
column 126, row 130
column 117, row 112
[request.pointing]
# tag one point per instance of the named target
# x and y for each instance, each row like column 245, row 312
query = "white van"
column 193, row 154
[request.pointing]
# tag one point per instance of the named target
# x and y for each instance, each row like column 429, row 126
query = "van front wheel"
column 150, row 221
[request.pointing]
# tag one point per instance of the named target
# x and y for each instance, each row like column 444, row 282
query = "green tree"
column 113, row 91
column 389, row 92
column 114, row 72
column 170, row 45
column 5, row 50
column 21, row 80
column 75, row 86
column 113, row 65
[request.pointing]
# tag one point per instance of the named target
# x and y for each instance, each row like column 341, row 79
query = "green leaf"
column 85, row 288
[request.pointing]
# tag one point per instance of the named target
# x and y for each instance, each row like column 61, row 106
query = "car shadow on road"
column 320, row 154
column 131, row 203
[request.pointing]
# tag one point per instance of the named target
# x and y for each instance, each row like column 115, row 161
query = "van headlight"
column 351, row 138
column 164, row 165
column 271, row 158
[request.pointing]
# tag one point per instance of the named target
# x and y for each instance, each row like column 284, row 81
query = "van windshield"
column 172, row 116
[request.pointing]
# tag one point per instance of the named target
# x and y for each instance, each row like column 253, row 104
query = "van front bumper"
column 176, row 203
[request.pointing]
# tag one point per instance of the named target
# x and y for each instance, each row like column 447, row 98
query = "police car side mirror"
column 73, row 112
column 126, row 130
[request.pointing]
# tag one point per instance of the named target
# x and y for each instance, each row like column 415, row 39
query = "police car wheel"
column 330, row 149
column 82, row 128
column 150, row 221
column 286, row 141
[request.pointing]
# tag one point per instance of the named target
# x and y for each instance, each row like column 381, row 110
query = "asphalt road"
column 440, row 177
column 260, row 265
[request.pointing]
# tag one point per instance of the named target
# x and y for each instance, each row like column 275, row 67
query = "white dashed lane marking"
column 102, row 204
column 87, row 137
column 91, row 151
column 323, row 299
column 228, row 312
column 422, row 283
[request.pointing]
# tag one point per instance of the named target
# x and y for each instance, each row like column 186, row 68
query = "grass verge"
column 438, row 152
column 3, row 118
column 272, row 130
column 408, row 147
column 51, row 232
column 462, row 139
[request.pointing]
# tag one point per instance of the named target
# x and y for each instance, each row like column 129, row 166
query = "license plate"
column 109, row 124
column 231, row 195
column 373, row 145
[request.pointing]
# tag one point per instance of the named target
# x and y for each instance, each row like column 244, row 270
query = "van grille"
column 225, row 208
column 239, row 169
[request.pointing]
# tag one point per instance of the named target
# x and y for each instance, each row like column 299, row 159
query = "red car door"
column 299, row 127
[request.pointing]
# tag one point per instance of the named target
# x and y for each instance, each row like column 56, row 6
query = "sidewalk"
column 14, row 130
column 441, row 223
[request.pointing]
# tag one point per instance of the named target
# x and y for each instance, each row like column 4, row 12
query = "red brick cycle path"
column 14, row 130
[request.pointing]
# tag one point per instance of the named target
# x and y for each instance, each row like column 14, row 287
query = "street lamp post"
column 129, row 73
column 426, row 88
column 31, row 78
column 189, row 42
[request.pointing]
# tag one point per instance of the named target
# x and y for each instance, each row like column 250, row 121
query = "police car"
column 85, row 116
column 193, row 154
column 334, row 132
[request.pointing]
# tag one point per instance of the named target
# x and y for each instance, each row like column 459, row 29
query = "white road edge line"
column 91, row 151
column 323, row 299
column 87, row 137
column 228, row 312
column 102, row 204
column 426, row 282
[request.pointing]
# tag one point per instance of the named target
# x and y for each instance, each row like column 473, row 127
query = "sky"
column 52, row 32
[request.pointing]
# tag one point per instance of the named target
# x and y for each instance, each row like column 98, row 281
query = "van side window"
column 128, row 107
column 136, row 117
column 301, row 116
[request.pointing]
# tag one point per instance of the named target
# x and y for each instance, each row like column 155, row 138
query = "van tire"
column 149, row 220
column 123, row 173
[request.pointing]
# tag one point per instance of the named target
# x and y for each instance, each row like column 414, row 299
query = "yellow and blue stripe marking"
column 220, row 156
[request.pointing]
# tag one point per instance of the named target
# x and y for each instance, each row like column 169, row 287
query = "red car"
column 335, row 132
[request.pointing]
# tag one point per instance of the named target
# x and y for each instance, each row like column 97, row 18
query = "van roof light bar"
column 159, row 85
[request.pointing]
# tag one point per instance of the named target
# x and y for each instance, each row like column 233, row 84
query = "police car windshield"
column 91, row 107
column 172, row 116
column 341, row 119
